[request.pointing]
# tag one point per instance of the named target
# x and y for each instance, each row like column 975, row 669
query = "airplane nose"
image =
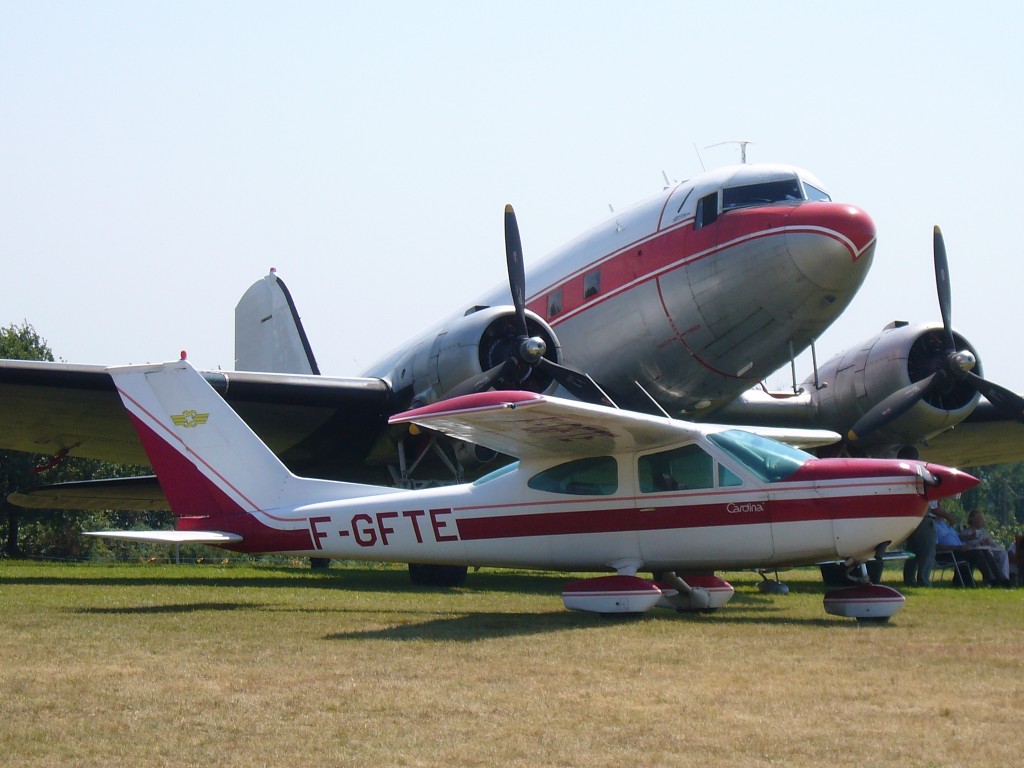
column 950, row 482
column 832, row 244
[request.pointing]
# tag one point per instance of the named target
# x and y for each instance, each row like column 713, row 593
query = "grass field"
column 270, row 666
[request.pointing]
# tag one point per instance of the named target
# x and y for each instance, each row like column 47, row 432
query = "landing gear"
column 865, row 602
column 772, row 586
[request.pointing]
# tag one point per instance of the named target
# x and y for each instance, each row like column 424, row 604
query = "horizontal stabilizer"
column 171, row 537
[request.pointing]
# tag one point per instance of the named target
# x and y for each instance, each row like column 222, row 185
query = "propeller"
column 952, row 367
column 527, row 352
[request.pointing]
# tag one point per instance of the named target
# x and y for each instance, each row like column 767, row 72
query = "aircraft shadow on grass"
column 176, row 608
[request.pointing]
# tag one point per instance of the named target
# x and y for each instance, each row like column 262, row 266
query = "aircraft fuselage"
column 696, row 293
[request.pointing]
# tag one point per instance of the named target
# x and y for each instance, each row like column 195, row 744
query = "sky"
column 158, row 158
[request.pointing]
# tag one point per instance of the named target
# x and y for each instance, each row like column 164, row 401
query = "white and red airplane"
column 594, row 489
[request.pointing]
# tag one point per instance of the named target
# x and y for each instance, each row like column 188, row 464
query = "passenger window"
column 555, row 303
column 707, row 211
column 595, row 476
column 685, row 468
column 592, row 284
column 727, row 478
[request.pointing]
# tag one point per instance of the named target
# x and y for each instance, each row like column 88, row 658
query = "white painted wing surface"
column 528, row 425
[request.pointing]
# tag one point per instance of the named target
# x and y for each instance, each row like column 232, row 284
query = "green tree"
column 18, row 342
column 54, row 533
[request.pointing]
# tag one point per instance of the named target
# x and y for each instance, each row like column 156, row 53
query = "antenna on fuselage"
column 743, row 147
column 699, row 158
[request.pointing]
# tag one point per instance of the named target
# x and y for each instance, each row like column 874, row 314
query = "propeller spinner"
column 526, row 353
column 952, row 367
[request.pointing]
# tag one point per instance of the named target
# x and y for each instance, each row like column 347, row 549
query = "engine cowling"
column 464, row 349
column 902, row 354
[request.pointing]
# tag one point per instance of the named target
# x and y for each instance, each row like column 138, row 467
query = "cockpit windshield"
column 765, row 193
column 770, row 460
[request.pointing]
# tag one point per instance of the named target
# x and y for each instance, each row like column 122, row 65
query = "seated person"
column 977, row 539
column 947, row 540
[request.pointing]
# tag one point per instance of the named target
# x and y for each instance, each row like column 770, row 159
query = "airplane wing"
column 127, row 494
column 317, row 425
column 984, row 437
column 528, row 425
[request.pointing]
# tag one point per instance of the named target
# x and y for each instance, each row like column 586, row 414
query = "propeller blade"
column 942, row 285
column 483, row 381
column 579, row 385
column 1009, row 403
column 894, row 406
column 516, row 270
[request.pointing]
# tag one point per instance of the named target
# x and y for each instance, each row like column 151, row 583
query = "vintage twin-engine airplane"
column 680, row 303
column 594, row 488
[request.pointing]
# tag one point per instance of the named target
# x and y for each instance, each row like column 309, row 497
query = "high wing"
column 527, row 426
column 317, row 425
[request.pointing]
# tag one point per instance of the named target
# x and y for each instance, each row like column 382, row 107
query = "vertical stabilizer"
column 219, row 477
column 207, row 459
column 269, row 336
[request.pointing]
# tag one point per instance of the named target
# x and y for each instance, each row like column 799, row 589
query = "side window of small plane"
column 685, row 468
column 707, row 211
column 727, row 478
column 592, row 284
column 593, row 476
column 555, row 303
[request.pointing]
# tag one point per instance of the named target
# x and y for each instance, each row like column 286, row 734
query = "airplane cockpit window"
column 770, row 460
column 813, row 193
column 784, row 191
column 707, row 211
column 679, row 469
column 594, row 476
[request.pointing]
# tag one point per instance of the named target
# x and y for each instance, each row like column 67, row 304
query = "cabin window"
column 555, row 303
column 770, row 460
column 592, row 284
column 787, row 190
column 679, row 469
column 594, row 476
column 727, row 478
column 707, row 211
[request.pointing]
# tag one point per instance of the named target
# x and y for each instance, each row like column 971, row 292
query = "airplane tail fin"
column 207, row 460
column 216, row 472
column 269, row 336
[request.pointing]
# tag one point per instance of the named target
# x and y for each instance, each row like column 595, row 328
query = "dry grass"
column 236, row 666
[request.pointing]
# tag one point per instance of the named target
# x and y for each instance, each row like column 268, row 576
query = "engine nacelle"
column 902, row 354
column 466, row 347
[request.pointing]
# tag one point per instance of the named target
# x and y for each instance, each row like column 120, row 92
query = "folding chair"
column 963, row 574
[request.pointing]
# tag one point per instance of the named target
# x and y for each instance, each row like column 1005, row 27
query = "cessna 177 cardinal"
column 594, row 489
